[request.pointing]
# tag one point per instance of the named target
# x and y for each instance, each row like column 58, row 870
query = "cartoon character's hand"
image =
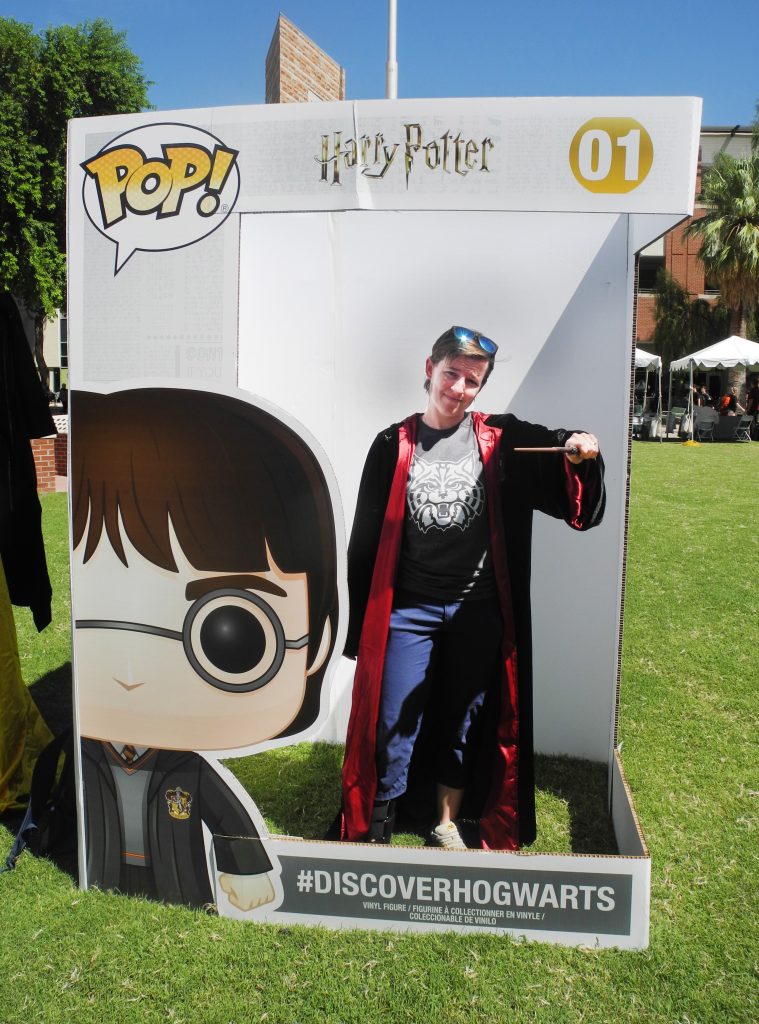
column 246, row 892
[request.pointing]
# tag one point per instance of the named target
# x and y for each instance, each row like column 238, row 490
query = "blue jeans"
column 440, row 656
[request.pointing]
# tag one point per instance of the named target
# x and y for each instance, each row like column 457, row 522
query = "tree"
column 45, row 79
column 684, row 325
column 729, row 233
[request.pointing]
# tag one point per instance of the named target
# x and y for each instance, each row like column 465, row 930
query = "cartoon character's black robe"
column 183, row 792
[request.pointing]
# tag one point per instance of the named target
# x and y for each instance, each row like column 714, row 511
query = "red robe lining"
column 499, row 823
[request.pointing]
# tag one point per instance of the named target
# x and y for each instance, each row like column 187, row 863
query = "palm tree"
column 683, row 324
column 729, row 233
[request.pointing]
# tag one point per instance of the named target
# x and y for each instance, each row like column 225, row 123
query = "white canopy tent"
column 723, row 355
column 646, row 360
column 650, row 361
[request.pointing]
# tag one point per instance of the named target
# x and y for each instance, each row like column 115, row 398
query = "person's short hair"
column 448, row 345
column 231, row 478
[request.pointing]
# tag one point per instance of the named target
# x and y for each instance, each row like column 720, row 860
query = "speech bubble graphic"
column 159, row 187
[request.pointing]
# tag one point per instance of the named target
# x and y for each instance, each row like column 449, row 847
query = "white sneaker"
column 447, row 837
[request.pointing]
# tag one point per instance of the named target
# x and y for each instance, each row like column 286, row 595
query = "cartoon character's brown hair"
column 230, row 477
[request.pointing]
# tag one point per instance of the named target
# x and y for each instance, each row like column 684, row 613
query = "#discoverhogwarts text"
column 501, row 892
column 373, row 156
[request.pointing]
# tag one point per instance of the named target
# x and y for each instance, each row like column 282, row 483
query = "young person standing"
column 439, row 566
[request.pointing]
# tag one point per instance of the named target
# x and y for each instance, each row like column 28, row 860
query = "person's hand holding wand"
column 577, row 449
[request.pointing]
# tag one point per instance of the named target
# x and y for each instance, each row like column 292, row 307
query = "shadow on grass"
column 53, row 696
column 297, row 789
column 572, row 806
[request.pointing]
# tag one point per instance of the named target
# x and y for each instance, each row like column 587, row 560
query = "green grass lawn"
column 688, row 724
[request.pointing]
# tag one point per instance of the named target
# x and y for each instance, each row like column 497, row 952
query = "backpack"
column 49, row 825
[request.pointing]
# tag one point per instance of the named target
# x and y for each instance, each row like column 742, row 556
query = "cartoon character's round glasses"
column 463, row 334
column 232, row 638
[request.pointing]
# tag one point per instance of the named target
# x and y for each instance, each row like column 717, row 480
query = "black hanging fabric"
column 24, row 414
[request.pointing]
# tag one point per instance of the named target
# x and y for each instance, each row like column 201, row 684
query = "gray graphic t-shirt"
column 446, row 538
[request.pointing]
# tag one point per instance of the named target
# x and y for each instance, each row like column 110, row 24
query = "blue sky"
column 200, row 54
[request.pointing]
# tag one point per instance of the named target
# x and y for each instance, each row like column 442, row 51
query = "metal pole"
column 391, row 68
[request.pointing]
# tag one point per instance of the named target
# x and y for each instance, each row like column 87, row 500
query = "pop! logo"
column 161, row 187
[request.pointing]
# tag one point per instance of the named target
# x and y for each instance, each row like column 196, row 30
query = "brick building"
column 298, row 71
column 677, row 254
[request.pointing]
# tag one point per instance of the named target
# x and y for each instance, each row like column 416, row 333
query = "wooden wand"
column 570, row 450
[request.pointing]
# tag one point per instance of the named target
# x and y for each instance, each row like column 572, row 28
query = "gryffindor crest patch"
column 178, row 802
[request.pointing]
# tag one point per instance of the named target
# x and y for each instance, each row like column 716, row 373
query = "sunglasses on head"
column 463, row 335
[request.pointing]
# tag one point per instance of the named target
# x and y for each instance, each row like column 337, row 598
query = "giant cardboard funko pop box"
column 252, row 294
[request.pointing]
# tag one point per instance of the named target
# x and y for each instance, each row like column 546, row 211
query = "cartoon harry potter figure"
column 205, row 605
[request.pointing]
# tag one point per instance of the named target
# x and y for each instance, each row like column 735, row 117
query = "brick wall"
column 61, row 454
column 681, row 259
column 297, row 70
column 43, row 449
column 646, row 318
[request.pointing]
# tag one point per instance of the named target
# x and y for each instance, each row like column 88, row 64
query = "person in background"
column 729, row 404
column 752, row 398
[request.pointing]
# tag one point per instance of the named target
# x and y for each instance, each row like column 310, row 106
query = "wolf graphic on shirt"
column 441, row 495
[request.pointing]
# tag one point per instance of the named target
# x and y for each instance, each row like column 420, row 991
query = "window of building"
column 64, row 339
column 648, row 271
column 710, row 287
column 650, row 262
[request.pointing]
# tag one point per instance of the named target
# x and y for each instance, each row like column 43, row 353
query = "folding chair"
column 707, row 420
column 637, row 420
column 743, row 430
column 676, row 414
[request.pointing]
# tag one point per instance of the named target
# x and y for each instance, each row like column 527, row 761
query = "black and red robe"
column 516, row 485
